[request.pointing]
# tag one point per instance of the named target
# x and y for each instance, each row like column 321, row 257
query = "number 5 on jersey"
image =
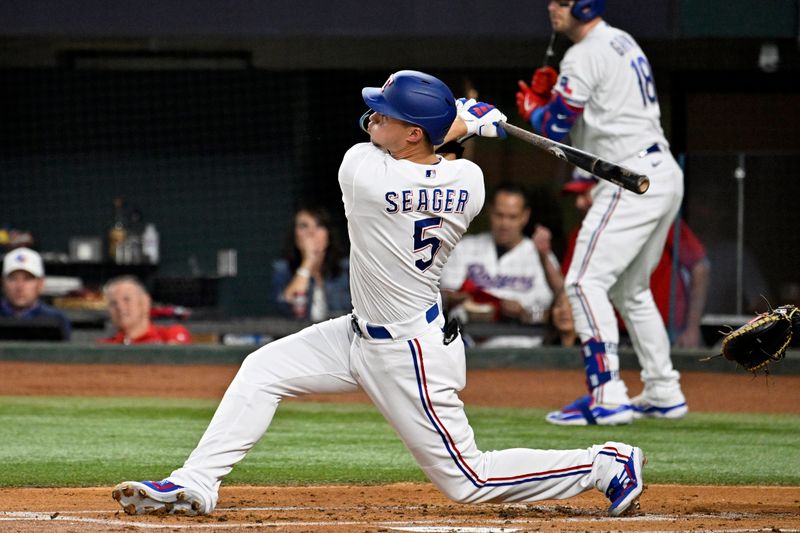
column 421, row 242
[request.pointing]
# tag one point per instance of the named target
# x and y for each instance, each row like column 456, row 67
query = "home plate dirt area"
column 416, row 507
column 409, row 507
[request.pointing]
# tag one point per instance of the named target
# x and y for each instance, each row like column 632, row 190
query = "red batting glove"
column 527, row 101
column 538, row 93
column 543, row 81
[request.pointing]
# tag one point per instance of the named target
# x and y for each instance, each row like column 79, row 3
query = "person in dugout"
column 129, row 306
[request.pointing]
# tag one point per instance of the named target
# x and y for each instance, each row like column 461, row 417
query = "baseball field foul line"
column 24, row 516
column 416, row 526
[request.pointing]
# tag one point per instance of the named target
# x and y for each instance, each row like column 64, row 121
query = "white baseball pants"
column 413, row 381
column 619, row 245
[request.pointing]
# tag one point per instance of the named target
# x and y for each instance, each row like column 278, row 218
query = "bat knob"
column 643, row 183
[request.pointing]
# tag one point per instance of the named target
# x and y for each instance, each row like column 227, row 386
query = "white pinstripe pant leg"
column 634, row 300
column 415, row 384
column 314, row 360
column 619, row 243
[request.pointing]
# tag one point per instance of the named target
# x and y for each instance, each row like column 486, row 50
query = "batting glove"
column 538, row 93
column 543, row 80
column 480, row 118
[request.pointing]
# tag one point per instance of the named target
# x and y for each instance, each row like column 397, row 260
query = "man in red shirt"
column 692, row 276
column 129, row 307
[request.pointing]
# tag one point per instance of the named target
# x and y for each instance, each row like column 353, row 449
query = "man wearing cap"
column 23, row 281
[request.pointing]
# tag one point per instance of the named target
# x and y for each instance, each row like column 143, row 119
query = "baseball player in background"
column 605, row 98
column 516, row 274
column 406, row 209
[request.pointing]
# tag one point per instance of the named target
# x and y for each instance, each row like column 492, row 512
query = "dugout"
column 210, row 122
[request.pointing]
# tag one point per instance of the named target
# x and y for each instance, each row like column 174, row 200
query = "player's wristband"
column 303, row 272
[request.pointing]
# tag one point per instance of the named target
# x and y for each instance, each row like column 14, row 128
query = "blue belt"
column 653, row 148
column 380, row 332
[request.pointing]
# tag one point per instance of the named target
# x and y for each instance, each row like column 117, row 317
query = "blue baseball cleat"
column 584, row 412
column 626, row 487
column 158, row 497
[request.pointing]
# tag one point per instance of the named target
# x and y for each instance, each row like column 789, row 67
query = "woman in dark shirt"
column 312, row 280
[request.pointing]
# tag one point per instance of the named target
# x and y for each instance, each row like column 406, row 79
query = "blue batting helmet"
column 586, row 10
column 417, row 98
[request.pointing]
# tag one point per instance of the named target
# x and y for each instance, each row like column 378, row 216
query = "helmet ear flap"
column 586, row 10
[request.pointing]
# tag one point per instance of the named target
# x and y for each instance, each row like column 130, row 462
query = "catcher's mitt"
column 764, row 339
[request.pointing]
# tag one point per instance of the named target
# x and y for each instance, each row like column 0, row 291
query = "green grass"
column 46, row 441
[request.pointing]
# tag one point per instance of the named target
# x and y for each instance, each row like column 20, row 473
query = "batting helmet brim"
column 373, row 97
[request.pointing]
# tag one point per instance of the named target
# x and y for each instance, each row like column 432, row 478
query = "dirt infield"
column 410, row 507
column 403, row 507
column 735, row 392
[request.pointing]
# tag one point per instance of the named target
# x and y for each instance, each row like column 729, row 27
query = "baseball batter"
column 605, row 99
column 406, row 209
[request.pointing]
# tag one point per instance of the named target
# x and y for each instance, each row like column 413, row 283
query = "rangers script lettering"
column 484, row 279
column 427, row 201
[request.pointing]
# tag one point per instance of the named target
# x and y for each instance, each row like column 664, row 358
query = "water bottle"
column 117, row 233
column 150, row 244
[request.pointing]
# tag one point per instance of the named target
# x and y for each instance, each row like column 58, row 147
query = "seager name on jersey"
column 427, row 200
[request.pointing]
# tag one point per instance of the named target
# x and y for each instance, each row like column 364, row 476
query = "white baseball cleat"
column 644, row 408
column 158, row 497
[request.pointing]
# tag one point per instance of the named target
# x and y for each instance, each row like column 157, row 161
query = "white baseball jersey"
column 517, row 275
column 404, row 220
column 608, row 75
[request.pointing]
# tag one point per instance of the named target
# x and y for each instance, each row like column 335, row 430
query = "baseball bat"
column 603, row 169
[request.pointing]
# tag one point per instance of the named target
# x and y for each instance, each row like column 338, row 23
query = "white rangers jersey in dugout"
column 608, row 75
column 404, row 219
column 516, row 275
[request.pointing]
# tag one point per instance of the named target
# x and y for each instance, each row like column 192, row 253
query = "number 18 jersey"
column 608, row 76
column 404, row 219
